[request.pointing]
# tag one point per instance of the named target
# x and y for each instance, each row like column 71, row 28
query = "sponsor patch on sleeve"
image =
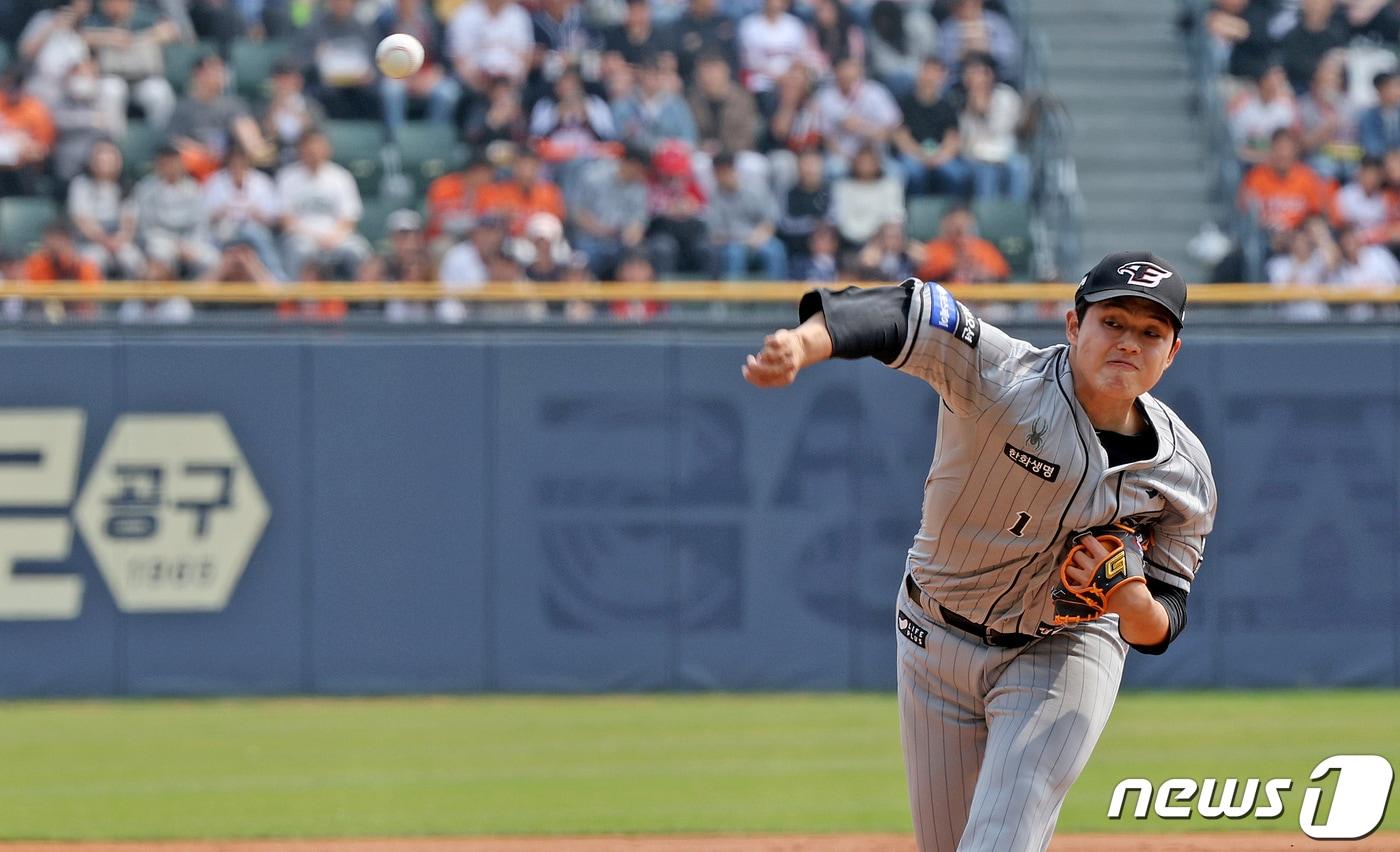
column 949, row 314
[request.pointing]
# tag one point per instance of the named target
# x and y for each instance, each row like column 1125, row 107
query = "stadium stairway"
column 1122, row 71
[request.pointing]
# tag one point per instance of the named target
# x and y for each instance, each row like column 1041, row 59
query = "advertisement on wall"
column 170, row 511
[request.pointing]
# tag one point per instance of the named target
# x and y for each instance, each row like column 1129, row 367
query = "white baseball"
column 399, row 55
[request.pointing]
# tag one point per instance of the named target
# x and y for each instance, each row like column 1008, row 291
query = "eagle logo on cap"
column 1144, row 273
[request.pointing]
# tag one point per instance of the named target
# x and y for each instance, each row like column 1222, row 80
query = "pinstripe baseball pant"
column 994, row 737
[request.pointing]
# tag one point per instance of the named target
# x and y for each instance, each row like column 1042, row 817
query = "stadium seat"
column 1008, row 225
column 359, row 147
column 372, row 223
column 251, row 63
column 22, row 222
column 924, row 212
column 138, row 149
column 4, row 55
column 427, row 151
column 180, row 57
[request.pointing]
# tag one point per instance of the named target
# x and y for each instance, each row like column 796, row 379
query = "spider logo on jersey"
column 1144, row 273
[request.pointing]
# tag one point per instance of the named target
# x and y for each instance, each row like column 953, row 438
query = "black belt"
column 952, row 619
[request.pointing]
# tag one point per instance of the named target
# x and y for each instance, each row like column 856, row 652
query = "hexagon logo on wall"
column 171, row 512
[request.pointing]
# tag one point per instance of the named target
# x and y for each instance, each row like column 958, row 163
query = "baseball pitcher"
column 1064, row 519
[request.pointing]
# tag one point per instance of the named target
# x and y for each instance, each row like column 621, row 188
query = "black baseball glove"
column 1076, row 603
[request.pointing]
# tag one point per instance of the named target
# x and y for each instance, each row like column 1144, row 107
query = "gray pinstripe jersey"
column 1018, row 467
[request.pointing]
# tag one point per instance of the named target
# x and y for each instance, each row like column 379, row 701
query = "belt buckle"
column 991, row 636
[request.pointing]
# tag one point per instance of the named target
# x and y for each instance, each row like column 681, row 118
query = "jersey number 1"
column 1019, row 528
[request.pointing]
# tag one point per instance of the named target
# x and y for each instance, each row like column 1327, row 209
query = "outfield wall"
column 496, row 512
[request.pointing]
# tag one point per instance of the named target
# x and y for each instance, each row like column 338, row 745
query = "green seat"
column 373, row 221
column 1007, row 224
column 359, row 146
column 251, row 63
column 138, row 149
column 4, row 55
column 22, row 222
column 180, row 57
column 924, row 211
column 427, row 151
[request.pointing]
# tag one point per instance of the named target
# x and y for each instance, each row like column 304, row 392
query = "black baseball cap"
column 1135, row 273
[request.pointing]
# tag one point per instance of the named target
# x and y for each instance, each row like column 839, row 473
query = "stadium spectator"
column 865, row 199
column 433, row 87
column 1239, row 31
column 959, row 254
column 886, row 257
column 223, row 22
column 488, row 39
column 406, row 259
column 207, row 121
column 638, row 40
column 610, row 215
column 290, row 112
column 856, row 112
column 1321, row 27
column 1258, row 111
column 244, row 209
column 704, row 31
column 26, row 137
column 676, row 234
column 770, row 43
column 80, row 120
column 103, row 216
column 337, row 51
column 792, row 122
column 654, row 111
column 57, row 259
column 51, row 48
column 819, row 262
column 806, row 207
column 499, row 118
column 321, row 207
column 573, row 124
column 726, row 116
column 562, row 39
column 451, row 199
column 972, row 30
column 741, row 221
column 928, row 140
column 1282, row 192
column 839, row 37
column 548, row 252
column 172, row 221
column 521, row 195
column 1379, row 126
column 1304, row 264
column 463, row 266
column 1353, row 265
column 987, row 126
column 900, row 40
column 128, row 41
column 1363, row 202
column 1327, row 120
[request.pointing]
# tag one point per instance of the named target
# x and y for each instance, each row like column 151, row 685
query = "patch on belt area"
column 911, row 631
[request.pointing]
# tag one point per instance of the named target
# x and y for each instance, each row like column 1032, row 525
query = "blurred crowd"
column 1313, row 100
column 628, row 140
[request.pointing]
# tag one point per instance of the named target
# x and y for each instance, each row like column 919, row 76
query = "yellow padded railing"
column 679, row 291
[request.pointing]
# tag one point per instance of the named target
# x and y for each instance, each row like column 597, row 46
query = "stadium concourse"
column 558, row 140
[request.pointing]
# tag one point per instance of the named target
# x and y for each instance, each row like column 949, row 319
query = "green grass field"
column 636, row 764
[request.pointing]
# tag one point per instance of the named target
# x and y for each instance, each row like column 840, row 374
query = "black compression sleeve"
column 1173, row 600
column 869, row 321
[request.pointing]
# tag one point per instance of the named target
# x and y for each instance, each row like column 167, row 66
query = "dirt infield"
column 1202, row 842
